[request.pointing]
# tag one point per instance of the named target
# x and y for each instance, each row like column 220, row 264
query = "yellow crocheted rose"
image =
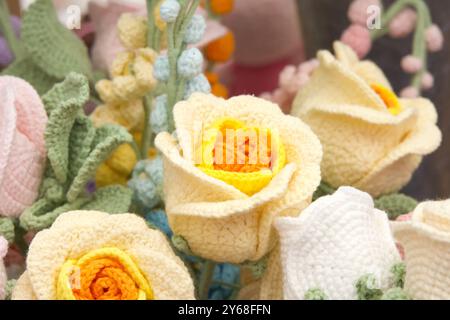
column 426, row 241
column 372, row 140
column 91, row 255
column 224, row 210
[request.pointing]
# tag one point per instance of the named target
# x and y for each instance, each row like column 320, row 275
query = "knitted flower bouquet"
column 133, row 176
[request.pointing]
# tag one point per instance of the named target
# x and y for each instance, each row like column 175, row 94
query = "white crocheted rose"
column 426, row 241
column 91, row 255
column 336, row 241
column 372, row 140
column 22, row 146
column 225, row 212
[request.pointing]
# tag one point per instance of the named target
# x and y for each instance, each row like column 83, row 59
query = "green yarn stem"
column 206, row 277
column 419, row 44
column 8, row 31
column 151, row 23
column 387, row 17
column 147, row 135
column 175, row 33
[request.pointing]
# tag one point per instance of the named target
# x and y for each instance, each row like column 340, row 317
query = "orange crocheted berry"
column 221, row 6
column 212, row 77
column 219, row 90
column 221, row 49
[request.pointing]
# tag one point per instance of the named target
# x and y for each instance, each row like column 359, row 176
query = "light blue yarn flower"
column 223, row 273
column 161, row 69
column 190, row 63
column 169, row 10
column 158, row 117
column 146, row 182
column 158, row 218
column 195, row 29
column 198, row 84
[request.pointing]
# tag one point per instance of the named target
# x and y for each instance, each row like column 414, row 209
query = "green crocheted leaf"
column 64, row 103
column 9, row 288
column 42, row 213
column 81, row 139
column 367, row 288
column 111, row 199
column 323, row 189
column 26, row 69
column 395, row 294
column 52, row 46
column 7, row 228
column 398, row 272
column 315, row 294
column 107, row 138
column 396, row 204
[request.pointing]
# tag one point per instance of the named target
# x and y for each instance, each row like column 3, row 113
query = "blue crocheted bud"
column 169, row 10
column 198, row 84
column 223, row 273
column 161, row 69
column 158, row 117
column 195, row 29
column 158, row 218
column 190, row 63
column 147, row 188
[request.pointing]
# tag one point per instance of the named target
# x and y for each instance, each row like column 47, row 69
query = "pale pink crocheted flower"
column 358, row 38
column 403, row 23
column 22, row 153
column 427, row 81
column 411, row 64
column 3, row 251
column 409, row 92
column 357, row 12
column 434, row 38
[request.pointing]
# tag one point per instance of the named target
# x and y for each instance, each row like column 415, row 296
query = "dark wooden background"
column 323, row 22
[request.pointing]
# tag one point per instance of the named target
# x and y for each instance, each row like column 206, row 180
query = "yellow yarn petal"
column 248, row 177
column 106, row 176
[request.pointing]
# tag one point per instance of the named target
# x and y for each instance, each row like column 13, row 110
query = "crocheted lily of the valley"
column 74, row 151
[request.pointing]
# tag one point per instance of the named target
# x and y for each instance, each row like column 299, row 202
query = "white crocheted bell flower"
column 333, row 243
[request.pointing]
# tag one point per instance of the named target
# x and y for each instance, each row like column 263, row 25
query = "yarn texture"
column 426, row 241
column 343, row 231
column 365, row 145
column 91, row 238
column 218, row 221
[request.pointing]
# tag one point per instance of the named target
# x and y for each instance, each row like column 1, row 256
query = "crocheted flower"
column 132, row 77
column 161, row 68
column 434, row 38
column 204, row 206
column 195, row 29
column 190, row 63
column 425, row 238
column 132, row 31
column 147, row 182
column 22, row 157
column 91, row 255
column 335, row 242
column 158, row 117
column 372, row 140
column 358, row 38
column 221, row 6
column 3, row 278
column 198, row 84
column 357, row 12
column 403, row 23
column 169, row 10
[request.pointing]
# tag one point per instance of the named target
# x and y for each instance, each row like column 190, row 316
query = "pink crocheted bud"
column 411, row 64
column 427, row 81
column 308, row 66
column 357, row 12
column 403, row 23
column 358, row 38
column 409, row 92
column 434, row 38
column 22, row 157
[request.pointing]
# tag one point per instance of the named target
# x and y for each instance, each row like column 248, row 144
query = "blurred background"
column 271, row 34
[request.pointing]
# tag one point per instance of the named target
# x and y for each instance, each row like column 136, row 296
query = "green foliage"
column 74, row 149
column 396, row 204
column 315, row 294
